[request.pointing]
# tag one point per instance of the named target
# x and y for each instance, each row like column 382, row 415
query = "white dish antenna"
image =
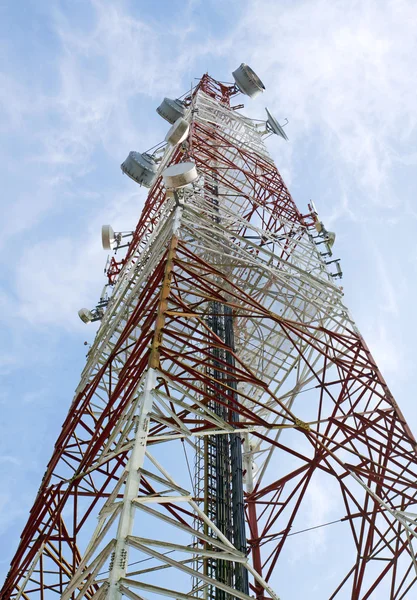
column 179, row 175
column 85, row 315
column 140, row 167
column 273, row 126
column 108, row 238
column 247, row 81
column 171, row 110
column 178, row 132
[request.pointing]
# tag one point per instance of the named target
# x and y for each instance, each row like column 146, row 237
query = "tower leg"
column 125, row 527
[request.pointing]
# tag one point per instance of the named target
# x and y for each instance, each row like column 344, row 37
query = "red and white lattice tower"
column 226, row 387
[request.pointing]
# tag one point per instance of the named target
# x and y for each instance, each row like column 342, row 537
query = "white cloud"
column 55, row 277
column 99, row 73
column 122, row 57
column 344, row 73
column 321, row 505
column 387, row 350
column 6, row 458
column 101, row 78
column 35, row 396
column 389, row 302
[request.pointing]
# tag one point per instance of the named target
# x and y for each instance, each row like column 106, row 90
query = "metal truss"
column 123, row 509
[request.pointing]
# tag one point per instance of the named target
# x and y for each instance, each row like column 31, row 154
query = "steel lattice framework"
column 226, row 361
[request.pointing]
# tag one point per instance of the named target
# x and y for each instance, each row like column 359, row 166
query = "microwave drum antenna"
column 140, row 167
column 178, row 132
column 179, row 175
column 171, row 110
column 85, row 315
column 247, row 81
column 108, row 238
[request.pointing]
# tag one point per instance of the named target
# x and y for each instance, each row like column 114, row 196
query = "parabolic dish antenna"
column 140, row 167
column 247, row 81
column 179, row 175
column 273, row 125
column 108, row 239
column 178, row 132
column 85, row 315
column 171, row 110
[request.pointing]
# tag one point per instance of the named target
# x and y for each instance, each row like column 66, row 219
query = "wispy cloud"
column 344, row 74
column 102, row 78
column 5, row 458
column 72, row 268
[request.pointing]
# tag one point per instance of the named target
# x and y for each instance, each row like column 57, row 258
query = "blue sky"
column 79, row 84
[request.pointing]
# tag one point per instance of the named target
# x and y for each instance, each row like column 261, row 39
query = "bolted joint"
column 301, row 424
column 136, row 423
column 123, row 558
column 111, row 564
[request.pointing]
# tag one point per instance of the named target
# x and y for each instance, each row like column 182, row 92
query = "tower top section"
column 246, row 82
